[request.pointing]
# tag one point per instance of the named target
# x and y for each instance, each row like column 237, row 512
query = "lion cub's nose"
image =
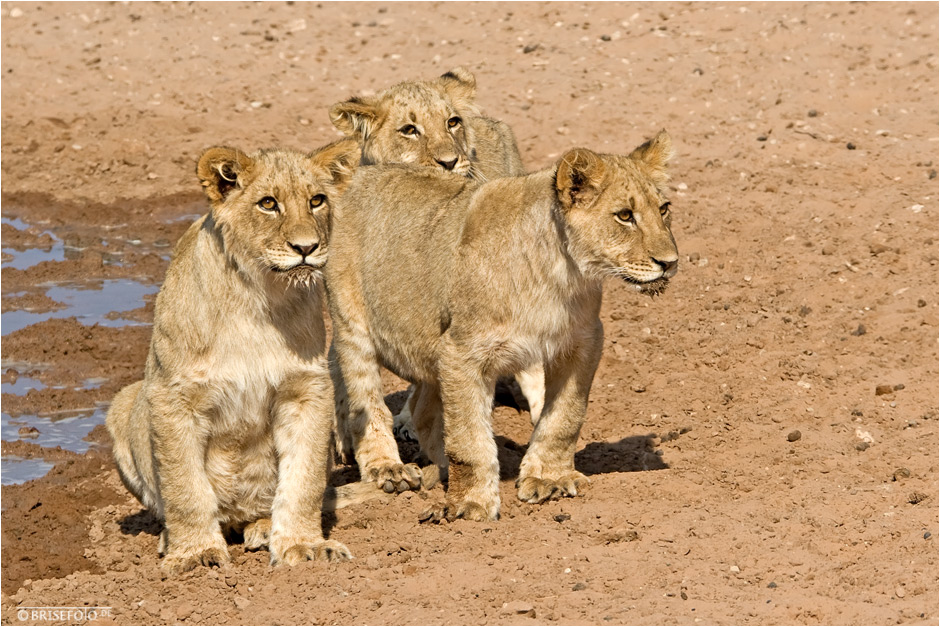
column 305, row 248
column 669, row 267
column 447, row 165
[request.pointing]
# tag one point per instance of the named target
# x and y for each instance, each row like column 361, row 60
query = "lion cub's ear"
column 218, row 170
column 655, row 154
column 357, row 117
column 579, row 178
column 339, row 158
column 460, row 85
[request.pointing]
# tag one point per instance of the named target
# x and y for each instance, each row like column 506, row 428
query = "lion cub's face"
column 273, row 206
column 420, row 122
column 617, row 214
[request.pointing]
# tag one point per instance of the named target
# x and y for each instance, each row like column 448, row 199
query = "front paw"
column 466, row 509
column 257, row 534
column 395, row 477
column 292, row 553
column 178, row 562
column 538, row 490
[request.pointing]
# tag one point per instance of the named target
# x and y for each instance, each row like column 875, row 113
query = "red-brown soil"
column 805, row 199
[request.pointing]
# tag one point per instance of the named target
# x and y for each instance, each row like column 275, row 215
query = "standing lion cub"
column 453, row 284
column 230, row 428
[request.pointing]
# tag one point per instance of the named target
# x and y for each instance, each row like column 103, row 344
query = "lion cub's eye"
column 454, row 122
column 664, row 209
column 624, row 216
column 408, row 130
column 317, row 201
column 268, row 204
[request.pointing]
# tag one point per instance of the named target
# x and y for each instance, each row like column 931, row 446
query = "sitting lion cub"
column 231, row 424
column 453, row 284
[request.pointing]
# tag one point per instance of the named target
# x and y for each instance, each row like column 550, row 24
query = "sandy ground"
column 762, row 439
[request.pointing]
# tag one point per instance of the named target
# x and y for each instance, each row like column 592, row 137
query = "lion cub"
column 231, row 424
column 434, row 276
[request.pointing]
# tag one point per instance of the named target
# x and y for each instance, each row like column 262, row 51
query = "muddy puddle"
column 90, row 303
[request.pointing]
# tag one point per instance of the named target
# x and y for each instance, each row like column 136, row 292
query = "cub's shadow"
column 631, row 454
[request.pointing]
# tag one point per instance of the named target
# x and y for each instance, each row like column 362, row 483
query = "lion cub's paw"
column 538, row 490
column 468, row 510
column 323, row 550
column 257, row 534
column 396, row 477
column 176, row 563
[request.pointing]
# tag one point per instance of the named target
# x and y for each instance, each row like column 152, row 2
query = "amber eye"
column 624, row 216
column 454, row 122
column 268, row 204
column 408, row 130
column 664, row 209
column 317, row 201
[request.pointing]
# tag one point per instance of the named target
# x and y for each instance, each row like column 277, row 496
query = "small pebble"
column 29, row 432
column 901, row 473
column 793, row 436
column 530, row 48
column 772, row 585
column 899, row 592
column 932, row 175
column 761, row 138
column 927, row 535
column 560, row 518
column 735, row 569
column 812, row 113
column 921, row 302
column 639, row 389
column 861, row 330
column 916, row 497
column 683, row 595
column 899, row 386
column 579, row 586
column 862, row 446
column 884, row 388
column 850, row 146
column 605, row 37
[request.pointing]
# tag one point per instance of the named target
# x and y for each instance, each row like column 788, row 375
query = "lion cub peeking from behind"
column 435, row 276
column 231, row 427
column 434, row 123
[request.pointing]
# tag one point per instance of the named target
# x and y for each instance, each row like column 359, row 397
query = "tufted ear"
column 340, row 158
column 655, row 154
column 460, row 85
column 218, row 170
column 579, row 178
column 357, row 117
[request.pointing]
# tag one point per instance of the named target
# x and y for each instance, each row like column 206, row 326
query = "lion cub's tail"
column 350, row 494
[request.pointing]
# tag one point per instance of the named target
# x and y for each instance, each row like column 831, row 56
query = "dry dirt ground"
column 762, row 439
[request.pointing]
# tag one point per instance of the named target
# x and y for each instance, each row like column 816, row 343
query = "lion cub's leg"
column 367, row 419
column 467, row 396
column 403, row 426
column 192, row 532
column 427, row 412
column 303, row 422
column 547, row 470
column 532, row 383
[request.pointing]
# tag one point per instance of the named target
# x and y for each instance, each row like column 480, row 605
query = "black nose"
column 448, row 165
column 669, row 267
column 304, row 249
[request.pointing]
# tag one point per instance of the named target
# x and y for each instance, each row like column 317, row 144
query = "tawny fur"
column 231, row 425
column 434, row 276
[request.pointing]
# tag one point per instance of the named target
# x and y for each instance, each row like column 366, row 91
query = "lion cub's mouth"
column 651, row 288
column 303, row 273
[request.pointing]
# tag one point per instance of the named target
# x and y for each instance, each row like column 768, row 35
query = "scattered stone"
column 899, row 592
column 927, row 535
column 684, row 430
column 861, row 330
column 772, row 585
column 862, row 446
column 762, row 138
column 694, row 257
column 850, row 146
column 231, row 581
column 805, row 311
column 638, row 388
column 519, row 607
column 899, row 386
column 683, row 595
column 932, row 175
column 621, row 535
column 530, row 48
column 921, row 302
column 735, row 569
column 560, row 518
column 857, row 412
column 698, row 71
column 916, row 497
column 812, row 113
column 29, row 432
column 579, row 586
column 901, row 473
column 605, row 37
column 877, row 248
column 241, row 602
column 793, row 436
column 883, row 388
